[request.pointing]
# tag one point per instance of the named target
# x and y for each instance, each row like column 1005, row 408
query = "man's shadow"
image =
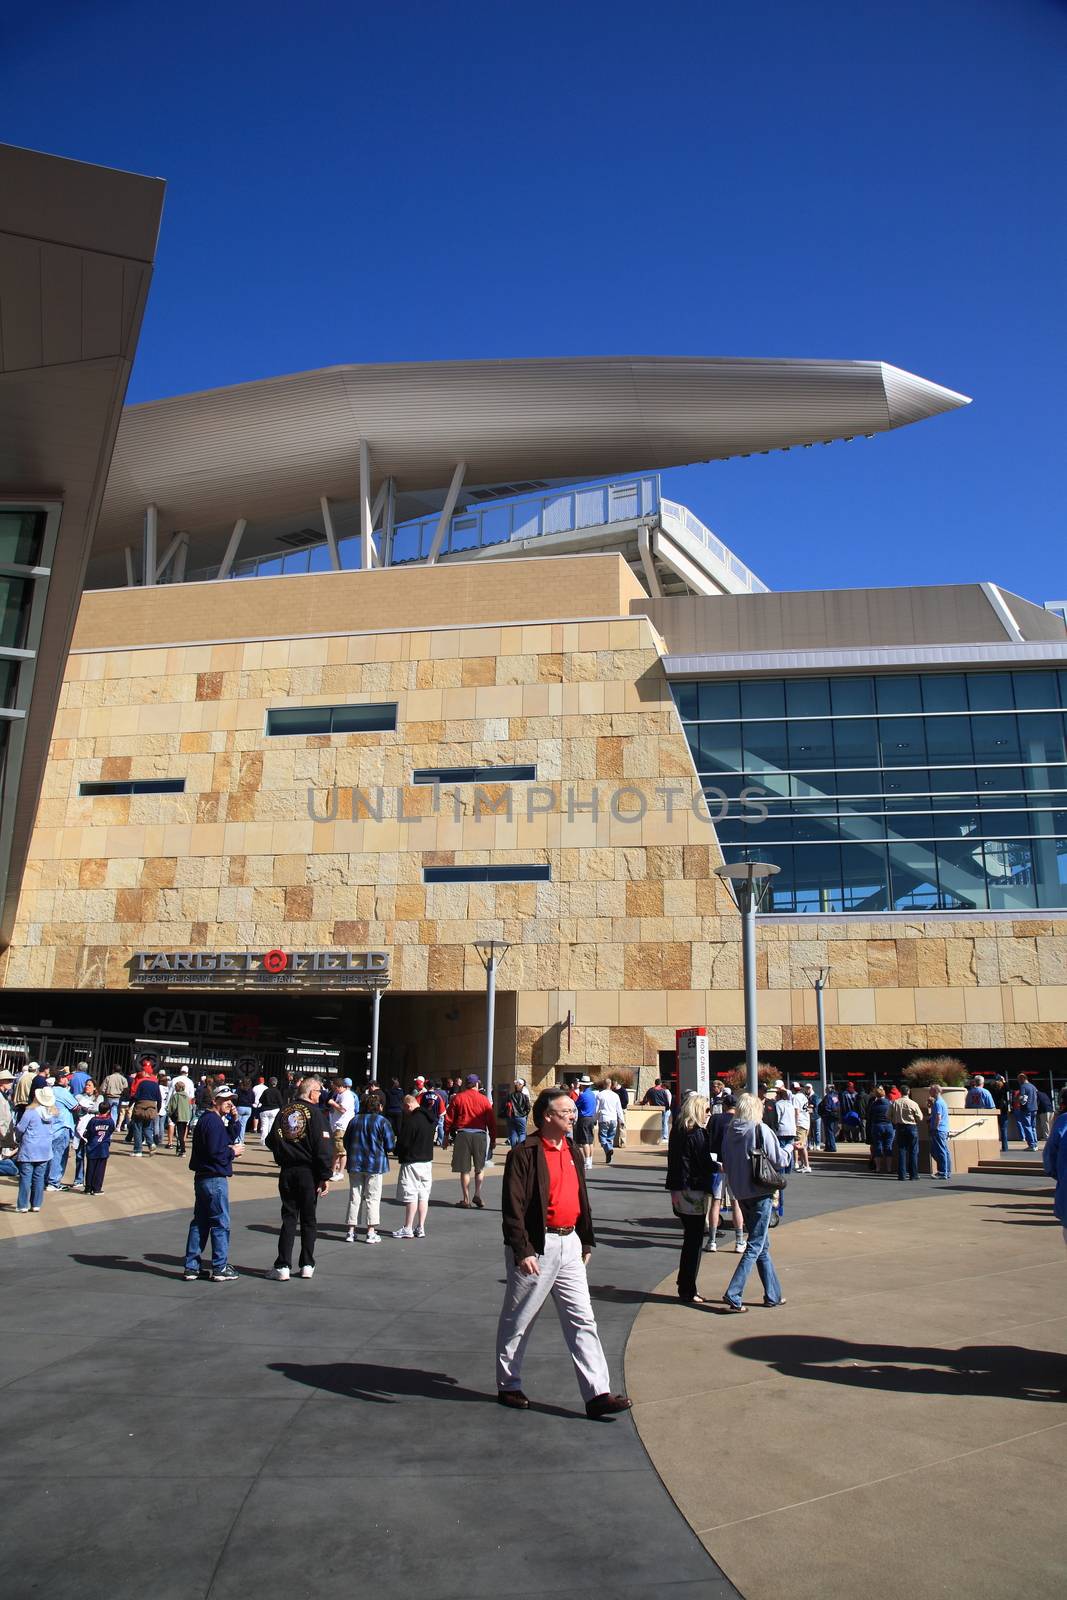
column 1008, row 1372
column 368, row 1381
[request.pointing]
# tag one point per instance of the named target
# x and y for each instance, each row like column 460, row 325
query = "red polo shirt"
column 563, row 1202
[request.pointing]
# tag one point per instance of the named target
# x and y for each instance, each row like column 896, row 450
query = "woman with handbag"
column 146, row 1103
column 690, row 1178
column 754, row 1160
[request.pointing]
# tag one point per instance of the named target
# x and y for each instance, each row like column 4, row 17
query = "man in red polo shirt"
column 548, row 1232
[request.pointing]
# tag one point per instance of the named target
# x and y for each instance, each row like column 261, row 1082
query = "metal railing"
column 675, row 517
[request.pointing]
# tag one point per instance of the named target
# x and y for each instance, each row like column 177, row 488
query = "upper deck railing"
column 526, row 517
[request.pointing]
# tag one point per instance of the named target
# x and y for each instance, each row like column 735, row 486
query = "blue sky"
column 410, row 181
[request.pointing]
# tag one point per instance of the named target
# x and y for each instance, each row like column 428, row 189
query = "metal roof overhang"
column 270, row 449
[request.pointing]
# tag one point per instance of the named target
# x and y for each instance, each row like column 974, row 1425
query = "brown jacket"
column 524, row 1200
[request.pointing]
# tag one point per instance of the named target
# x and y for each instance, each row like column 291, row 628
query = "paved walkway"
column 202, row 1441
column 899, row 1426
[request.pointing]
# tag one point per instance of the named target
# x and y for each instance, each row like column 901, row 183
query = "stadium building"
column 315, row 685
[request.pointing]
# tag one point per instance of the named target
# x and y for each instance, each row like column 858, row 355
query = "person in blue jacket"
column 35, row 1129
column 979, row 1097
column 211, row 1163
column 1054, row 1160
column 937, row 1111
column 96, row 1135
column 1026, row 1111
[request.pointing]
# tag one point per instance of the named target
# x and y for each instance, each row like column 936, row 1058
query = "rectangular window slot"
column 517, row 774
column 513, row 872
column 134, row 786
column 331, row 719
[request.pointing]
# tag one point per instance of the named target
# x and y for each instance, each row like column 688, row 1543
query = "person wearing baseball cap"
column 211, row 1163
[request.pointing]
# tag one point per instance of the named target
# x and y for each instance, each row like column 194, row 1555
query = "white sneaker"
column 279, row 1274
column 374, row 1238
column 739, row 1247
column 418, row 1233
column 710, row 1246
column 307, row 1272
column 350, row 1236
column 403, row 1233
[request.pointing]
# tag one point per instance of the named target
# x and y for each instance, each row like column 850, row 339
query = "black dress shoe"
column 607, row 1405
column 513, row 1398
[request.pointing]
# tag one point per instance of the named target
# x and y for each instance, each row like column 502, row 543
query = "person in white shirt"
column 608, row 1118
column 802, row 1111
column 342, row 1108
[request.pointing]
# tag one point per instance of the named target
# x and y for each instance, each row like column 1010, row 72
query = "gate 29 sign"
column 261, row 969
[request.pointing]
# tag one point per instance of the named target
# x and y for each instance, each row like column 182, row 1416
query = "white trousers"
column 364, row 1199
column 266, row 1123
column 562, row 1275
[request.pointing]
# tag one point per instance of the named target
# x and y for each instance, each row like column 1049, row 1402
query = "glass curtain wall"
column 896, row 792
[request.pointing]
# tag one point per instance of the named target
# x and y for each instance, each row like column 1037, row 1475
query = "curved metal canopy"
column 270, row 449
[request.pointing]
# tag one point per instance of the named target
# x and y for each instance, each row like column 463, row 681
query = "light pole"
column 819, row 984
column 492, row 953
column 376, row 1006
column 746, row 879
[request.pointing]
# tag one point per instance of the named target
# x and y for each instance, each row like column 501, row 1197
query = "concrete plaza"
column 201, row 1441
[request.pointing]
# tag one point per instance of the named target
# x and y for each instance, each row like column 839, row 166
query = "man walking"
column 906, row 1116
column 1026, row 1111
column 937, row 1111
column 301, row 1144
column 211, row 1163
column 548, row 1234
column 470, row 1121
column 660, row 1097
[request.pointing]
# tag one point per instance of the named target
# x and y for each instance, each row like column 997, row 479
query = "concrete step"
column 1007, row 1167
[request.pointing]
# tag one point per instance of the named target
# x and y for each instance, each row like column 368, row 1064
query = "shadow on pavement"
column 360, row 1380
column 1005, row 1370
column 130, row 1264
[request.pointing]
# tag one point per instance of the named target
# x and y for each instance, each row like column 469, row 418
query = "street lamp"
column 747, row 880
column 492, row 953
column 819, row 983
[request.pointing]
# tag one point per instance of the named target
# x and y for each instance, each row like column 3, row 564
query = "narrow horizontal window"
column 519, row 872
column 518, row 774
column 135, row 786
column 332, row 719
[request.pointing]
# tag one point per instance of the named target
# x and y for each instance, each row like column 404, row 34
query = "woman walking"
column 744, row 1133
column 690, row 1176
column 180, row 1110
column 369, row 1140
column 34, row 1129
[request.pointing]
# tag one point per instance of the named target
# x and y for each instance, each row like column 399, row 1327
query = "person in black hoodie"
column 414, row 1152
column 301, row 1143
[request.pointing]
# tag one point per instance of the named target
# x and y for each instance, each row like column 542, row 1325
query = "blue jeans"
column 907, row 1140
column 830, row 1131
column 143, row 1133
column 243, row 1114
column 940, row 1153
column 1002, row 1126
column 8, row 1168
column 79, row 1164
column 1027, row 1132
column 211, row 1214
column 516, row 1130
column 757, row 1215
column 31, row 1185
column 881, row 1140
column 665, row 1124
column 439, row 1136
column 60, row 1148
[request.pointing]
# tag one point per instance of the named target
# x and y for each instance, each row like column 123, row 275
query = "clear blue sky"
column 406, row 181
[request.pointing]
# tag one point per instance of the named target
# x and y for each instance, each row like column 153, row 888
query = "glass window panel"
column 778, row 895
column 363, row 719
column 1039, row 778
column 686, row 696
column 728, row 783
column 464, row 534
column 1002, row 824
column 944, row 691
column 716, row 746
column 1035, row 690
column 817, row 878
column 814, row 785
column 297, row 561
column 270, row 567
column 912, row 877
column 764, row 698
column 961, row 872
column 319, row 557
column 807, row 697
column 855, row 826
column 15, row 597
column 872, row 805
column 298, row 719
column 993, row 780
column 864, row 878
column 9, row 677
column 811, row 744
column 765, row 746
column 948, row 740
column 859, row 782
column 1041, row 736
column 909, row 825
column 1062, row 675
column 1000, row 800
column 719, row 700
column 852, row 697
column 815, row 830
column 990, row 691
column 951, row 780
column 734, row 830
column 405, row 543
column 856, row 742
column 1009, row 865
column 956, row 824
column 20, row 537
column 995, row 738
column 773, row 782
column 903, row 741
column 1050, row 869
column 898, row 694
